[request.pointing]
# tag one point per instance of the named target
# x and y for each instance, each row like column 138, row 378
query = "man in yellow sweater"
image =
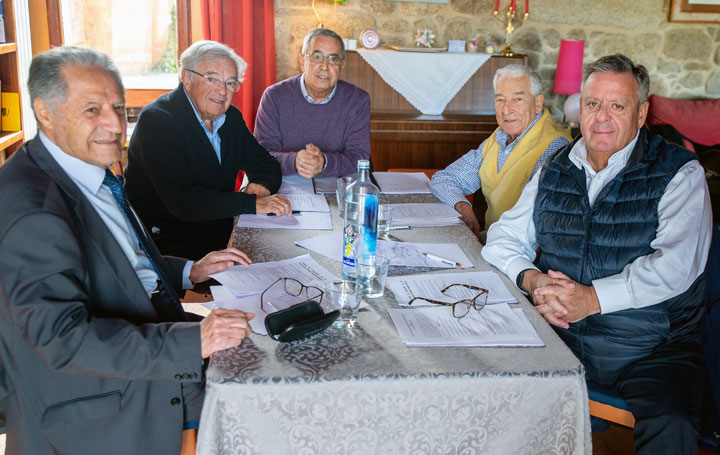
column 508, row 159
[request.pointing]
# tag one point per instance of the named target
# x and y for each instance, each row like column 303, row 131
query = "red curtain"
column 247, row 26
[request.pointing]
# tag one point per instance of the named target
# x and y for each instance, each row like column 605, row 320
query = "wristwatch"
column 520, row 277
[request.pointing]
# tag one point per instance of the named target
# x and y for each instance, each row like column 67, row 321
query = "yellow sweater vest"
column 502, row 189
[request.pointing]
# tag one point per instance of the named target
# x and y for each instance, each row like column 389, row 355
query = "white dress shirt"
column 680, row 246
column 89, row 178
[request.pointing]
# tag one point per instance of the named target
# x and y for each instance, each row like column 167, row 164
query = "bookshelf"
column 10, row 141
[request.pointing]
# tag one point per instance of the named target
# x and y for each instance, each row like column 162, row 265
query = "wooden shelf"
column 6, row 48
column 8, row 138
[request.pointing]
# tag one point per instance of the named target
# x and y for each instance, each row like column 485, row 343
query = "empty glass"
column 385, row 213
column 340, row 192
column 343, row 295
column 371, row 273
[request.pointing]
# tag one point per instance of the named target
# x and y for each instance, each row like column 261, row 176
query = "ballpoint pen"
column 294, row 212
column 394, row 228
column 443, row 260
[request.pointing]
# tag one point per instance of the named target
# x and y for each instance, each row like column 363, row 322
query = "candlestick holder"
column 511, row 23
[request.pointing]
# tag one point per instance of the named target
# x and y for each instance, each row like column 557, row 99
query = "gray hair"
column 620, row 64
column 519, row 71
column 210, row 51
column 322, row 32
column 46, row 81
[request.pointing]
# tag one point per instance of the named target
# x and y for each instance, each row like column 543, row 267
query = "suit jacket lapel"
column 97, row 233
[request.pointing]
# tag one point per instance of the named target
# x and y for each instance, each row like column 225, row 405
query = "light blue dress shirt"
column 213, row 135
column 89, row 178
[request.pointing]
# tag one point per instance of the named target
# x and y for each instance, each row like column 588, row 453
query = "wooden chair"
column 606, row 404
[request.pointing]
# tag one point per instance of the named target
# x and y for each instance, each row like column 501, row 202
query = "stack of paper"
column 492, row 326
column 304, row 220
column 429, row 286
column 402, row 182
column 424, row 214
column 399, row 253
column 242, row 285
column 325, row 185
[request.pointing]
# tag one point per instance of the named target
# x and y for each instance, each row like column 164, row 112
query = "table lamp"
column 568, row 76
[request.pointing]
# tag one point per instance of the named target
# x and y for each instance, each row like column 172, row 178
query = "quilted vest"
column 502, row 189
column 589, row 242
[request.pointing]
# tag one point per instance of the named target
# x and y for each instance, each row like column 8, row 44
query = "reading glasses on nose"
column 231, row 84
column 317, row 58
column 461, row 307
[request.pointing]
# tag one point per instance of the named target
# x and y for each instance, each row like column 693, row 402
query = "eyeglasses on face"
column 462, row 307
column 293, row 288
column 317, row 58
column 231, row 85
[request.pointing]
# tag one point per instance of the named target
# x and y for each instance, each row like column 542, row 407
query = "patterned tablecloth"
column 362, row 391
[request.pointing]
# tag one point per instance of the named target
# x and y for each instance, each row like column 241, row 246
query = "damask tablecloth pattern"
column 362, row 391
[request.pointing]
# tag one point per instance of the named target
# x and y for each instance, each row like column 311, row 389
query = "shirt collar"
column 217, row 123
column 309, row 98
column 501, row 136
column 578, row 155
column 86, row 174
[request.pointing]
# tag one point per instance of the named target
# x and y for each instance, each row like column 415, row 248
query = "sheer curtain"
column 247, row 26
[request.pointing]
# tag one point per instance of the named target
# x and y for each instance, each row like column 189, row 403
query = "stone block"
column 687, row 44
column 712, row 85
column 551, row 38
column 378, row 7
column 527, row 39
column 666, row 67
column 419, row 9
column 717, row 55
column 658, row 86
column 691, row 80
column 602, row 43
column 550, row 58
column 697, row 66
column 646, row 45
column 633, row 15
column 578, row 35
column 394, row 25
column 458, row 29
column 473, row 7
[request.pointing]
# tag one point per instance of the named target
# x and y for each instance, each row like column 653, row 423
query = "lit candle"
column 512, row 6
column 527, row 6
column 497, row 5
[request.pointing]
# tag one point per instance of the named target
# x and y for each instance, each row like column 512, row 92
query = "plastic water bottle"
column 360, row 232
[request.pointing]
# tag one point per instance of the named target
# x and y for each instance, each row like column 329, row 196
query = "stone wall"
column 683, row 59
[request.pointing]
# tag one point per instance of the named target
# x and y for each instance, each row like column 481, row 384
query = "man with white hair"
column 189, row 149
column 506, row 160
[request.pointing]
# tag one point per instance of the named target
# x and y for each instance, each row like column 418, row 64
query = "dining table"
column 363, row 391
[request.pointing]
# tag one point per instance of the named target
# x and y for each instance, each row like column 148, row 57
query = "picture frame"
column 695, row 11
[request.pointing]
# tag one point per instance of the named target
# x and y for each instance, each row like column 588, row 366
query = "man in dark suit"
column 188, row 154
column 90, row 362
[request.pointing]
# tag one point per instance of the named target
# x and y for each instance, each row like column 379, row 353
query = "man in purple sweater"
column 315, row 124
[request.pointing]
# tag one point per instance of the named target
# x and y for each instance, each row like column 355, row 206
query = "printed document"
column 424, row 214
column 307, row 202
column 304, row 220
column 402, row 182
column 497, row 325
column 429, row 286
column 399, row 253
column 255, row 278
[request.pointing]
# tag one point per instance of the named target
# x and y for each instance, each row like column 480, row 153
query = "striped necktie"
column 116, row 188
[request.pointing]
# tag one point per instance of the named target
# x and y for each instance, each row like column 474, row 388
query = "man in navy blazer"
column 90, row 363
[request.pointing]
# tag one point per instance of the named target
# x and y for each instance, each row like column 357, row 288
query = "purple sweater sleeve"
column 357, row 140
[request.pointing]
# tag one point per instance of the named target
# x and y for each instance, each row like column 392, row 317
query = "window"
column 140, row 36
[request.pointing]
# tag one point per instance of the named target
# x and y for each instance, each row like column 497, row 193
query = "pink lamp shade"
column 568, row 75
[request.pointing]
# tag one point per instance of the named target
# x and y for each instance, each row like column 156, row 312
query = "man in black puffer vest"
column 622, row 222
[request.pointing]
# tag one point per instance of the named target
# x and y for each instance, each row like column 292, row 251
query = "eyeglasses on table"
column 462, row 307
column 293, row 288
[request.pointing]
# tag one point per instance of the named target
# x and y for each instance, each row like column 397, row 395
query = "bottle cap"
column 363, row 164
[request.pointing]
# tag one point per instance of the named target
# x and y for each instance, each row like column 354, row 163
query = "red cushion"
column 698, row 120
